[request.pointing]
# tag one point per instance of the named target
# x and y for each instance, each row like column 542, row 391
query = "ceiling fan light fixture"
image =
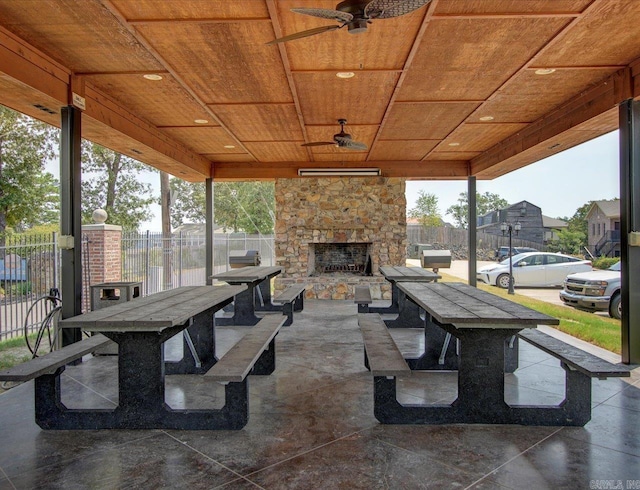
column 357, row 26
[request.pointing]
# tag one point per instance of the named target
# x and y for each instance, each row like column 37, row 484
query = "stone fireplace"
column 334, row 233
column 339, row 258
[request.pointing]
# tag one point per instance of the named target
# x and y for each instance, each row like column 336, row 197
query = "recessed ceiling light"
column 545, row 71
column 229, row 147
column 151, row 76
column 454, row 144
column 200, row 121
column 486, row 118
column 345, row 74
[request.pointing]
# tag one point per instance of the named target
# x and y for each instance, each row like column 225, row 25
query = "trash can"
column 112, row 293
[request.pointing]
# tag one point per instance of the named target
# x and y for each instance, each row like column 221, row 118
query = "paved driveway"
column 459, row 268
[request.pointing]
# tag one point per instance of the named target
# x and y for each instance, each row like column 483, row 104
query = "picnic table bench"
column 52, row 361
column 408, row 312
column 140, row 328
column 291, row 299
column 258, row 295
column 362, row 297
column 484, row 323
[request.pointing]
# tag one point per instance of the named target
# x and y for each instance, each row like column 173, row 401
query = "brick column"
column 103, row 253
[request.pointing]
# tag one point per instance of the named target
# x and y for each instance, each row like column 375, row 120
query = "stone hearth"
column 367, row 212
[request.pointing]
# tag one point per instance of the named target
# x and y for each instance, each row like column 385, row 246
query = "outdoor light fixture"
column 508, row 227
column 336, row 172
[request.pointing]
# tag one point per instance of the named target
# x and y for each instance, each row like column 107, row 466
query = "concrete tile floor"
column 312, row 427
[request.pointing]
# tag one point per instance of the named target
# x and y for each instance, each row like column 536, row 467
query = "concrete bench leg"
column 288, row 309
column 266, row 363
column 298, row 304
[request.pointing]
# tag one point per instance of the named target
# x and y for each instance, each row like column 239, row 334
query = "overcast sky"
column 559, row 184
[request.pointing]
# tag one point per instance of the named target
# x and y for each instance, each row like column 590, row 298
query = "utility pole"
column 167, row 249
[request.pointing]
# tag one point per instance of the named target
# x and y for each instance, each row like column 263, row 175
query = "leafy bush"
column 20, row 288
column 605, row 262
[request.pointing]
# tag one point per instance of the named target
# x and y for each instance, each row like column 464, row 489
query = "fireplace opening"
column 339, row 259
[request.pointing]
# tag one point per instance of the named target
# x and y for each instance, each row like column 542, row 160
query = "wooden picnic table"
column 245, row 303
column 408, row 312
column 483, row 323
column 140, row 328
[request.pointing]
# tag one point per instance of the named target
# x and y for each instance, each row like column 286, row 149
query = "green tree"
column 110, row 181
column 485, row 203
column 426, row 210
column 28, row 195
column 578, row 222
column 238, row 206
column 568, row 241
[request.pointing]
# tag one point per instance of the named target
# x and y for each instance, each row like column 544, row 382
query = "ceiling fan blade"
column 325, row 14
column 385, row 9
column 320, row 143
column 299, row 35
column 350, row 144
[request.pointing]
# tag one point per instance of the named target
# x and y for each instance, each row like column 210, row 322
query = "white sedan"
column 538, row 269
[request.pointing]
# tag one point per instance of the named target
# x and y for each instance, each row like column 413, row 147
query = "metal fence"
column 165, row 263
column 29, row 269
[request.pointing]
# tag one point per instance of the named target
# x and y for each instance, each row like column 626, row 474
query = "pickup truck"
column 598, row 290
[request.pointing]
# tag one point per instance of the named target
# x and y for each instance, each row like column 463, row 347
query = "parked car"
column 537, row 269
column 503, row 252
column 597, row 290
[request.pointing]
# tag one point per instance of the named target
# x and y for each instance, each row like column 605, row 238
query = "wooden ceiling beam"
column 138, row 22
column 21, row 62
column 277, row 30
column 48, row 80
column 507, row 147
column 106, row 111
column 411, row 170
column 507, row 15
column 108, row 4
column 590, row 104
column 431, row 7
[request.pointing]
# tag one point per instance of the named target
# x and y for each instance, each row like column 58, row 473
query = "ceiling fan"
column 341, row 140
column 354, row 14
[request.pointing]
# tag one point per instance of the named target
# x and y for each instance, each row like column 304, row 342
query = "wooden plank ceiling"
column 455, row 88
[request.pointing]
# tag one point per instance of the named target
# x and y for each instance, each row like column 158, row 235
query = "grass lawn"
column 595, row 329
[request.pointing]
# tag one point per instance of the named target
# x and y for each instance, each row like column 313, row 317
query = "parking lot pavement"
column 459, row 268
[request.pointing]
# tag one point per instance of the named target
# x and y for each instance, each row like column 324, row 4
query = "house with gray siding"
column 603, row 228
column 528, row 215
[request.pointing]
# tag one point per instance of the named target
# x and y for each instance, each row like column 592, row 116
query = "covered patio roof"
column 454, row 89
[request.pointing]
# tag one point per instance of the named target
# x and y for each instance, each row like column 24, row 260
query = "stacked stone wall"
column 339, row 210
